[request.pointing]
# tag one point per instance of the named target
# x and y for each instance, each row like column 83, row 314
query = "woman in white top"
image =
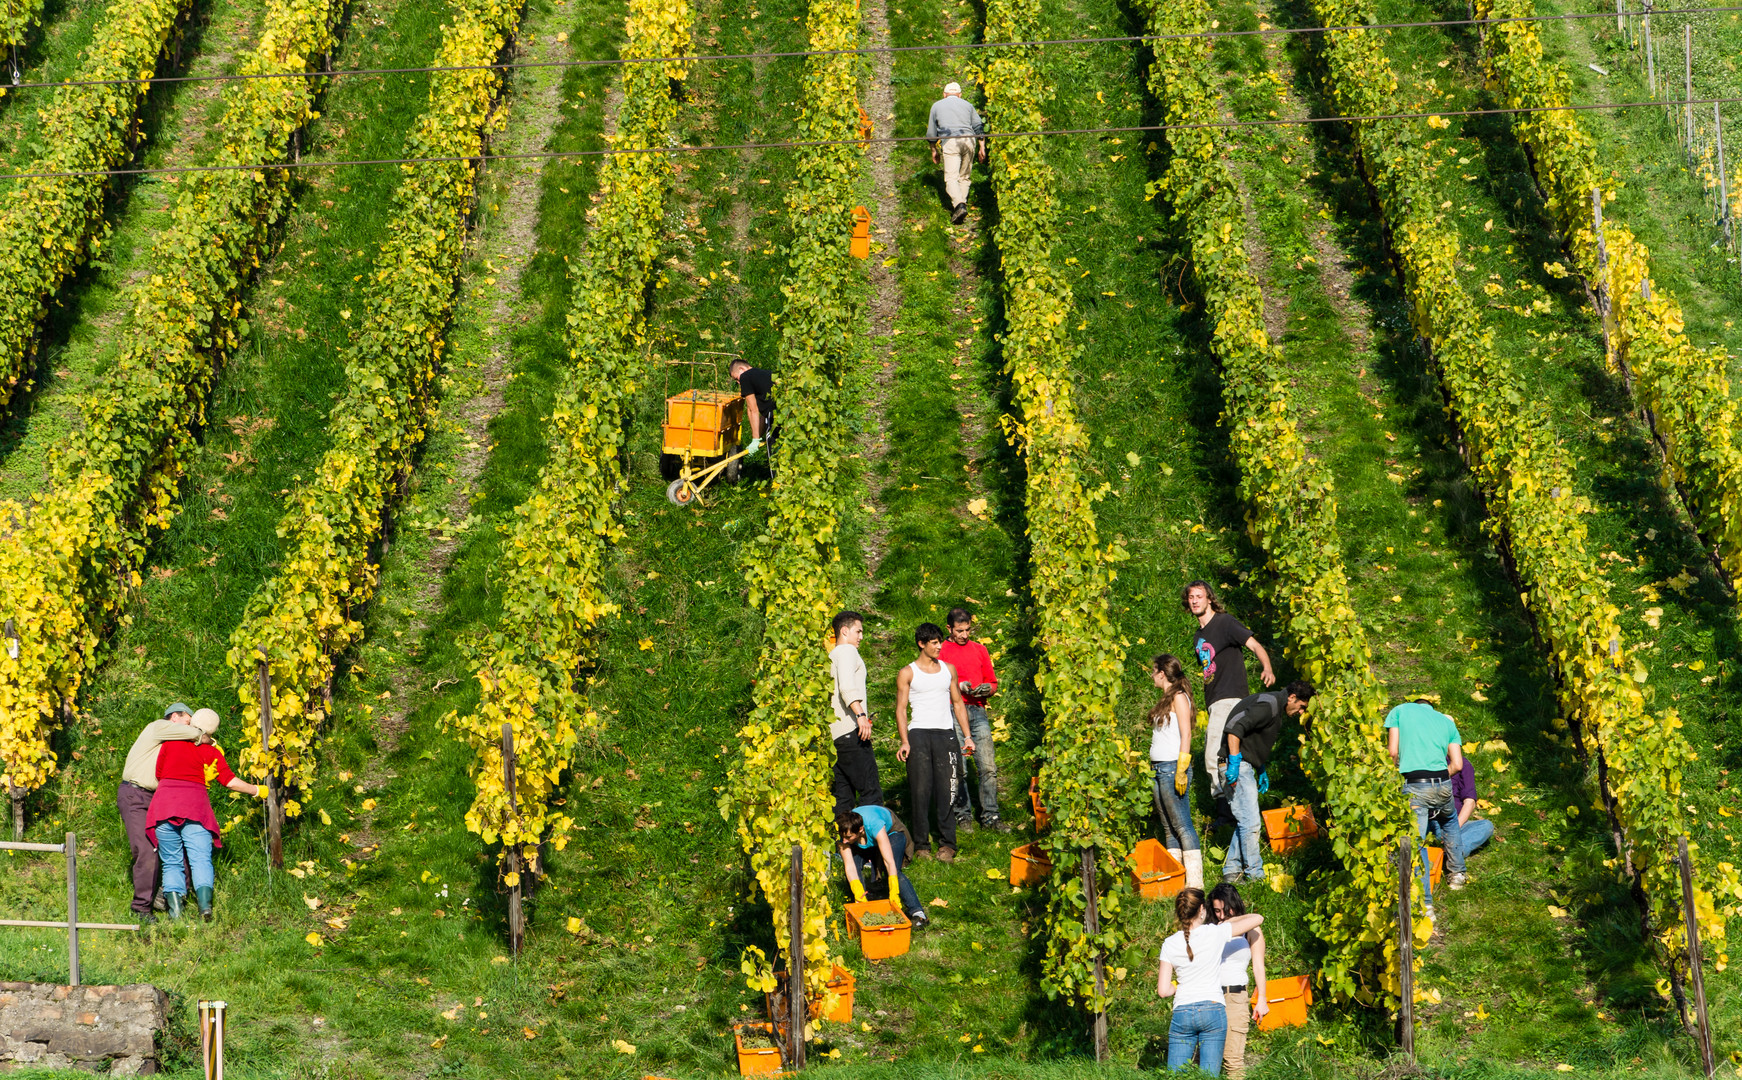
column 1193, row 957
column 1241, row 950
column 1170, row 755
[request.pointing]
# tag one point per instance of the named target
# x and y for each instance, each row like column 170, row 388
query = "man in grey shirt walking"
column 955, row 129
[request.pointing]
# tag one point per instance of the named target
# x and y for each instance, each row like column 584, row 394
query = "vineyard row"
column 78, row 546
column 1292, row 518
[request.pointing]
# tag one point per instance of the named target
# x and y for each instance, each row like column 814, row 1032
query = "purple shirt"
column 1464, row 784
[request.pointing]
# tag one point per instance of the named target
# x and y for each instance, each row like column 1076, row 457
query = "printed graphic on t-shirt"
column 1207, row 657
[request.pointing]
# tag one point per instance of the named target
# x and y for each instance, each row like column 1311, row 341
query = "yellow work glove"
column 1182, row 775
column 260, row 791
column 858, row 890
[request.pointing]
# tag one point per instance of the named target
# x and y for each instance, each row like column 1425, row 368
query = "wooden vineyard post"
column 73, row 910
column 1602, row 290
column 13, row 790
column 1620, row 21
column 1723, row 175
column 1405, row 954
column 1650, row 57
column 1703, row 1032
column 1688, row 85
column 1092, row 927
column 516, row 913
column 274, row 796
column 795, row 995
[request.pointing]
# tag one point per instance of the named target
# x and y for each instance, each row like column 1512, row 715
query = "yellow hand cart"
column 703, row 431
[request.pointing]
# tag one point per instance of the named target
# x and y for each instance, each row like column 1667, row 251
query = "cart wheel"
column 680, row 492
column 732, row 471
column 670, row 465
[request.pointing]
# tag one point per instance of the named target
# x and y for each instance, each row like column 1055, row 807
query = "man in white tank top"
column 928, row 740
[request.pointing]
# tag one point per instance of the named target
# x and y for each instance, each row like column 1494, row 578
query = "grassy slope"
column 268, row 423
column 178, row 121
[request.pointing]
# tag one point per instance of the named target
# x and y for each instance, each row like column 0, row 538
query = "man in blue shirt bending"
column 955, row 129
column 1428, row 749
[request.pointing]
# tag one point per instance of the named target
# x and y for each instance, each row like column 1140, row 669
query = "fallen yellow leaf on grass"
column 1563, row 1067
column 439, row 1043
column 1280, row 882
column 368, row 804
column 574, row 925
column 314, row 939
column 1501, row 765
column 623, row 1047
column 938, row 901
column 454, row 1013
column 977, row 507
column 313, row 902
column 529, row 1033
column 993, row 875
column 646, row 643
column 1557, row 912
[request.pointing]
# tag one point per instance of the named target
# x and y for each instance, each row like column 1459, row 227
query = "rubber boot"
column 203, row 895
column 172, row 905
column 1194, row 863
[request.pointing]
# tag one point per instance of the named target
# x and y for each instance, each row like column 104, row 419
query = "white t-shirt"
column 1164, row 740
column 1199, row 976
column 1236, row 958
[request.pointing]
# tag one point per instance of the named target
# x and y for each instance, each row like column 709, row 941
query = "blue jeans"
column 189, row 841
column 1244, row 856
column 1202, row 1027
column 869, row 858
column 980, row 727
column 1177, row 833
column 1474, row 833
column 1434, row 807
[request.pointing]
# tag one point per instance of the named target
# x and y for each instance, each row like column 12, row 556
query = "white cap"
column 952, row 88
column 206, row 720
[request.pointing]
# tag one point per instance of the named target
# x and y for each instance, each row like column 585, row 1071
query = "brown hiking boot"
column 946, row 854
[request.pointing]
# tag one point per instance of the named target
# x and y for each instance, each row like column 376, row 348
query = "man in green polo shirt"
column 1428, row 750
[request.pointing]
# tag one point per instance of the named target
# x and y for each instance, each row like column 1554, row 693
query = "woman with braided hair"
column 1191, row 968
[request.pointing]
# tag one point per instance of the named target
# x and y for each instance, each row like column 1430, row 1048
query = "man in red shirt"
column 977, row 681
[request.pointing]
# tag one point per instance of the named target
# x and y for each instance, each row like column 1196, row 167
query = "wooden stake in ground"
column 1602, row 289
column 1703, row 1032
column 1405, row 953
column 516, row 914
column 16, row 792
column 73, row 912
column 1723, row 175
column 274, row 797
column 1650, row 56
column 1688, row 84
column 795, row 995
column 1092, row 927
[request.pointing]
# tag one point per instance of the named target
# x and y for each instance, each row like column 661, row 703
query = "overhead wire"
column 887, row 139
column 866, row 51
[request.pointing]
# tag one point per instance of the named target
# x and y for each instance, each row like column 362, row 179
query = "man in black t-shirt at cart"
column 757, row 386
column 1217, row 646
column 1243, row 761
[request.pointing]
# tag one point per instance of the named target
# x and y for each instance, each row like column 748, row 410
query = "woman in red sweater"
column 181, row 822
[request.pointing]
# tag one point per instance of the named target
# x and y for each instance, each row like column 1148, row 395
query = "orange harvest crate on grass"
column 1290, row 828
column 1041, row 817
column 1288, row 999
column 1028, row 865
column 1156, row 873
column 841, row 984
column 759, row 1061
column 879, row 942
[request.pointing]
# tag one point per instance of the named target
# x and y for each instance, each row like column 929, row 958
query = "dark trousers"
column 856, row 782
column 931, row 781
column 135, row 804
column 875, row 876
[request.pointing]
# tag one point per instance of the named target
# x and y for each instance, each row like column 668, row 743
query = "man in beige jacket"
column 133, row 798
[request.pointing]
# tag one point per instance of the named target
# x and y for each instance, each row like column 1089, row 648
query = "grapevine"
column 304, row 615
column 49, row 226
column 78, row 545
column 1087, row 776
column 16, row 19
column 777, row 791
column 553, row 592
column 1527, row 482
column 1292, row 517
column 1686, row 388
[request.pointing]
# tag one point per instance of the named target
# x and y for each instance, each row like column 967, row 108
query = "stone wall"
column 93, row 1028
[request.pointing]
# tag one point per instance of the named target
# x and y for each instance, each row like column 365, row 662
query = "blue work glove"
column 1263, row 782
column 755, row 445
column 1233, row 773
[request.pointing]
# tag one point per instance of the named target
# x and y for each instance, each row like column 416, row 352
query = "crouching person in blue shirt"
column 868, row 828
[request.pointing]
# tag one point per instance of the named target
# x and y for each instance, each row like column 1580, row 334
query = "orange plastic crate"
column 1288, row 999
column 1028, row 865
column 841, row 983
column 861, row 244
column 756, row 1062
column 701, row 421
column 1156, row 873
column 879, row 942
column 1290, row 828
column 1041, row 817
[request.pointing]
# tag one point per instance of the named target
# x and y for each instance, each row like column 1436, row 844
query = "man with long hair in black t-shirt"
column 1217, row 646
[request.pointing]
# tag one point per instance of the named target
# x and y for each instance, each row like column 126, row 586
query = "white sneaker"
column 1457, row 881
